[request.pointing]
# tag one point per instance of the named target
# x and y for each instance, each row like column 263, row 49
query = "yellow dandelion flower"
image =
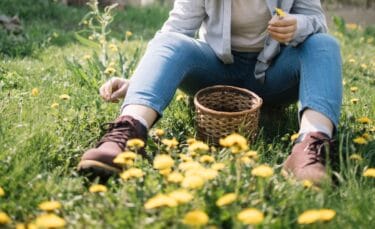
column 113, row 47
column 163, row 161
column 185, row 158
column 370, row 172
column 206, row 159
column 209, row 174
column 181, row 196
column 170, row 143
column 198, row 146
column 165, row 172
column 356, row 157
column 159, row 132
column 327, row 214
column 32, row 226
column 351, row 26
column 235, row 142
column 95, row 188
column 54, row 105
column 128, row 34
column 360, row 141
column 129, row 155
column 86, row 57
column 180, row 97
column 2, row 192
column 307, row 183
column 190, row 141
column 364, row 66
column 262, row 171
column 4, row 218
column 205, row 173
column 21, row 226
column 160, row 200
column 110, row 71
column 192, row 182
column 366, row 136
column 250, row 216
column 294, row 137
column 353, row 89
column 64, row 97
column 135, row 143
column 280, row 12
column 364, row 120
column 226, row 199
column 190, row 165
column 218, row 166
column 125, row 158
column 131, row 173
column 35, row 92
column 195, row 218
column 193, row 154
column 354, row 101
column 49, row 205
column 246, row 160
column 49, row 221
column 252, row 154
column 309, row 217
column 351, row 60
column 175, row 177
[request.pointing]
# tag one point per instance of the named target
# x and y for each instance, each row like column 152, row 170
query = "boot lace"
column 118, row 132
column 319, row 148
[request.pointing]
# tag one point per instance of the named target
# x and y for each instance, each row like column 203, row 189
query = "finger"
column 287, row 21
column 287, row 29
column 103, row 93
column 121, row 92
column 282, row 37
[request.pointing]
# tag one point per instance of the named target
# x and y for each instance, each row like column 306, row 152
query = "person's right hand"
column 114, row 89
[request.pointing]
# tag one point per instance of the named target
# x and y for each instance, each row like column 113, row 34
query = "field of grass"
column 50, row 112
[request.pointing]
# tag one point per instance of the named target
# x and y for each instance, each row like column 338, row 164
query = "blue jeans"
column 310, row 73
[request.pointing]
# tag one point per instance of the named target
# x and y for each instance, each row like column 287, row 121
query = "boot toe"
column 98, row 162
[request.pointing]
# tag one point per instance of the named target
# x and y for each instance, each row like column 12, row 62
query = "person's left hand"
column 283, row 28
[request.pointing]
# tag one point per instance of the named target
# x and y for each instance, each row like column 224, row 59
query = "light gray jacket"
column 213, row 19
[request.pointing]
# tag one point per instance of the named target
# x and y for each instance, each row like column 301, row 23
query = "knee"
column 176, row 42
column 322, row 41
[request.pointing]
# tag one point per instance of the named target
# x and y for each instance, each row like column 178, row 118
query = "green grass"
column 40, row 146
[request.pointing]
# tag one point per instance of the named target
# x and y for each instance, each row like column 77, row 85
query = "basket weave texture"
column 223, row 110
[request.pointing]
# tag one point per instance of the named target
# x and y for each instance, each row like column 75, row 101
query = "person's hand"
column 283, row 28
column 114, row 89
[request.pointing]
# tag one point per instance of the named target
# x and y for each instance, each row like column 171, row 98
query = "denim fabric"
column 310, row 73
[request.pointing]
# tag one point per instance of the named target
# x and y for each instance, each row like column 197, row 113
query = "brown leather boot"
column 99, row 161
column 308, row 158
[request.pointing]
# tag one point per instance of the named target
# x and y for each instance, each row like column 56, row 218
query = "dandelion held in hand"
column 280, row 12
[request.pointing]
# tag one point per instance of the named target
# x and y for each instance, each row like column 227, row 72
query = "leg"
column 174, row 60
column 170, row 59
column 320, row 95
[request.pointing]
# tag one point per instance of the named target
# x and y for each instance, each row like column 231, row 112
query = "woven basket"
column 222, row 110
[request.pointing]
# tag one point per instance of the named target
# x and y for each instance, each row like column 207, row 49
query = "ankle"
column 313, row 121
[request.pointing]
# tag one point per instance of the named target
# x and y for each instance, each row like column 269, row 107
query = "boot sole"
column 97, row 168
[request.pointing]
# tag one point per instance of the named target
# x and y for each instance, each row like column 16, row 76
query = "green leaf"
column 86, row 41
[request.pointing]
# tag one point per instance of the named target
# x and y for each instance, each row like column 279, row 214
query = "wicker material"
column 222, row 110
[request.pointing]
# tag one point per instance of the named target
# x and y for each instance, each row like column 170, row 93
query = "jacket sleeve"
column 310, row 19
column 186, row 17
